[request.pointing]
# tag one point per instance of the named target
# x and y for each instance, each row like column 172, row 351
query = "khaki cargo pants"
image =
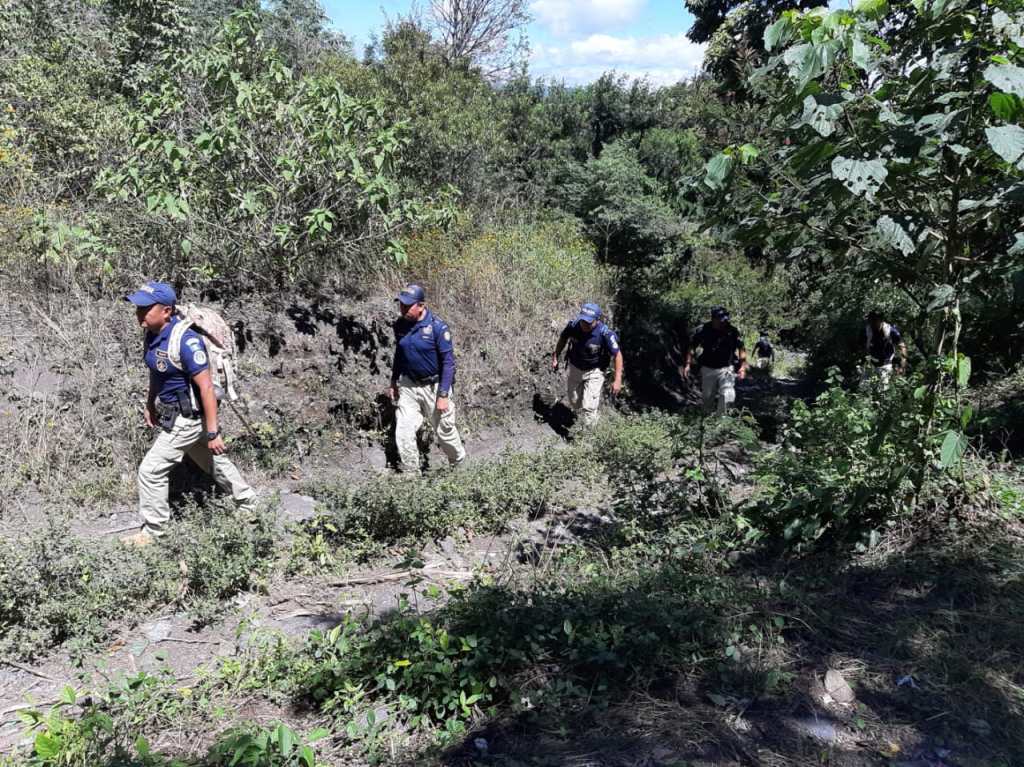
column 417, row 403
column 186, row 437
column 583, row 388
column 718, row 386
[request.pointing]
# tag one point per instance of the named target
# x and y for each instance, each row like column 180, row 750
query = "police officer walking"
column 592, row 347
column 882, row 341
column 182, row 402
column 764, row 353
column 422, row 376
column 720, row 344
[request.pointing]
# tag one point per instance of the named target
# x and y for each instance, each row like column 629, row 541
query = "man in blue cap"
column 422, row 376
column 182, row 403
column 720, row 344
column 592, row 347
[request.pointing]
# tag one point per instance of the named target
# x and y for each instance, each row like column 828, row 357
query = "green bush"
column 104, row 733
column 482, row 497
column 844, row 466
column 57, row 587
column 575, row 639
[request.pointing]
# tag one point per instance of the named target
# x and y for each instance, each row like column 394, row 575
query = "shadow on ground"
column 690, row 668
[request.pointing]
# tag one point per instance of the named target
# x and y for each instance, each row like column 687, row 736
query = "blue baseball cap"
column 153, row 293
column 411, row 294
column 719, row 313
column 589, row 313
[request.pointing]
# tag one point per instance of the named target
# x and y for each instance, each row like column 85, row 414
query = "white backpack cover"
column 220, row 345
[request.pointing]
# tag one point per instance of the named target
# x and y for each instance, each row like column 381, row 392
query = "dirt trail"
column 293, row 606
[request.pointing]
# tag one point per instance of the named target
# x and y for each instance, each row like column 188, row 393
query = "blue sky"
column 571, row 40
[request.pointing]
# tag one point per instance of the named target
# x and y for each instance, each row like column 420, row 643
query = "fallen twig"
column 117, row 530
column 28, row 670
column 369, row 580
column 51, row 324
column 26, row 706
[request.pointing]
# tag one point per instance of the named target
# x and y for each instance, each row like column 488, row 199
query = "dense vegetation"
column 823, row 163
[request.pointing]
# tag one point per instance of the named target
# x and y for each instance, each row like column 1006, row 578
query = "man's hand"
column 616, row 387
column 149, row 413
column 217, row 446
column 554, row 363
column 742, row 373
column 392, row 392
column 684, row 371
column 442, row 405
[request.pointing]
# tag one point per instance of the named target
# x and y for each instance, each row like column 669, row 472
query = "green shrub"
column 482, row 497
column 105, row 734
column 843, row 468
column 253, row 746
column 57, row 588
column 576, row 638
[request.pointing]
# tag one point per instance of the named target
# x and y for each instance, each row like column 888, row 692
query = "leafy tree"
column 899, row 156
column 299, row 30
column 668, row 154
column 622, row 208
column 255, row 174
column 148, row 31
column 451, row 113
column 710, row 15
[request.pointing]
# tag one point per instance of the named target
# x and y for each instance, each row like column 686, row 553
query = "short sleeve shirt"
column 763, row 348
column 590, row 349
column 164, row 377
column 718, row 347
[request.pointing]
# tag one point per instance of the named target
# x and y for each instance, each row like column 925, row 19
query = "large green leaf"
column 873, row 9
column 718, row 169
column 808, row 158
column 894, row 235
column 860, row 177
column 822, row 112
column 1006, row 77
column 1007, row 26
column 47, row 747
column 963, row 371
column 942, row 296
column 775, row 33
column 953, row 447
column 810, row 61
column 860, row 54
column 1004, row 106
column 1007, row 141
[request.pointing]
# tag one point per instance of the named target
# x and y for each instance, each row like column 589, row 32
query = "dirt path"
column 293, row 606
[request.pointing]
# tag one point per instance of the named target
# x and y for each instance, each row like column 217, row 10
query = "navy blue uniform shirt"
column 882, row 349
column 166, row 379
column 423, row 350
column 586, row 348
column 763, row 347
column 718, row 347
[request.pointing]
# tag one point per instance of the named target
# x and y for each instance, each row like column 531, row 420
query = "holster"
column 169, row 411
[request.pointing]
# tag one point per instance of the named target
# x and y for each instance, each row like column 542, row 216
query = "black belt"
column 424, row 381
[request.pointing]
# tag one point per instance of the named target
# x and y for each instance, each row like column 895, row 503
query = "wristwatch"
column 212, row 435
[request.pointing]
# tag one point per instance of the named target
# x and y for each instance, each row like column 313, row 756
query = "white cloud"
column 566, row 17
column 662, row 59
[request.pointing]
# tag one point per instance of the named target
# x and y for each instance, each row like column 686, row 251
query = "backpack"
column 220, row 345
column 886, row 334
column 604, row 359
